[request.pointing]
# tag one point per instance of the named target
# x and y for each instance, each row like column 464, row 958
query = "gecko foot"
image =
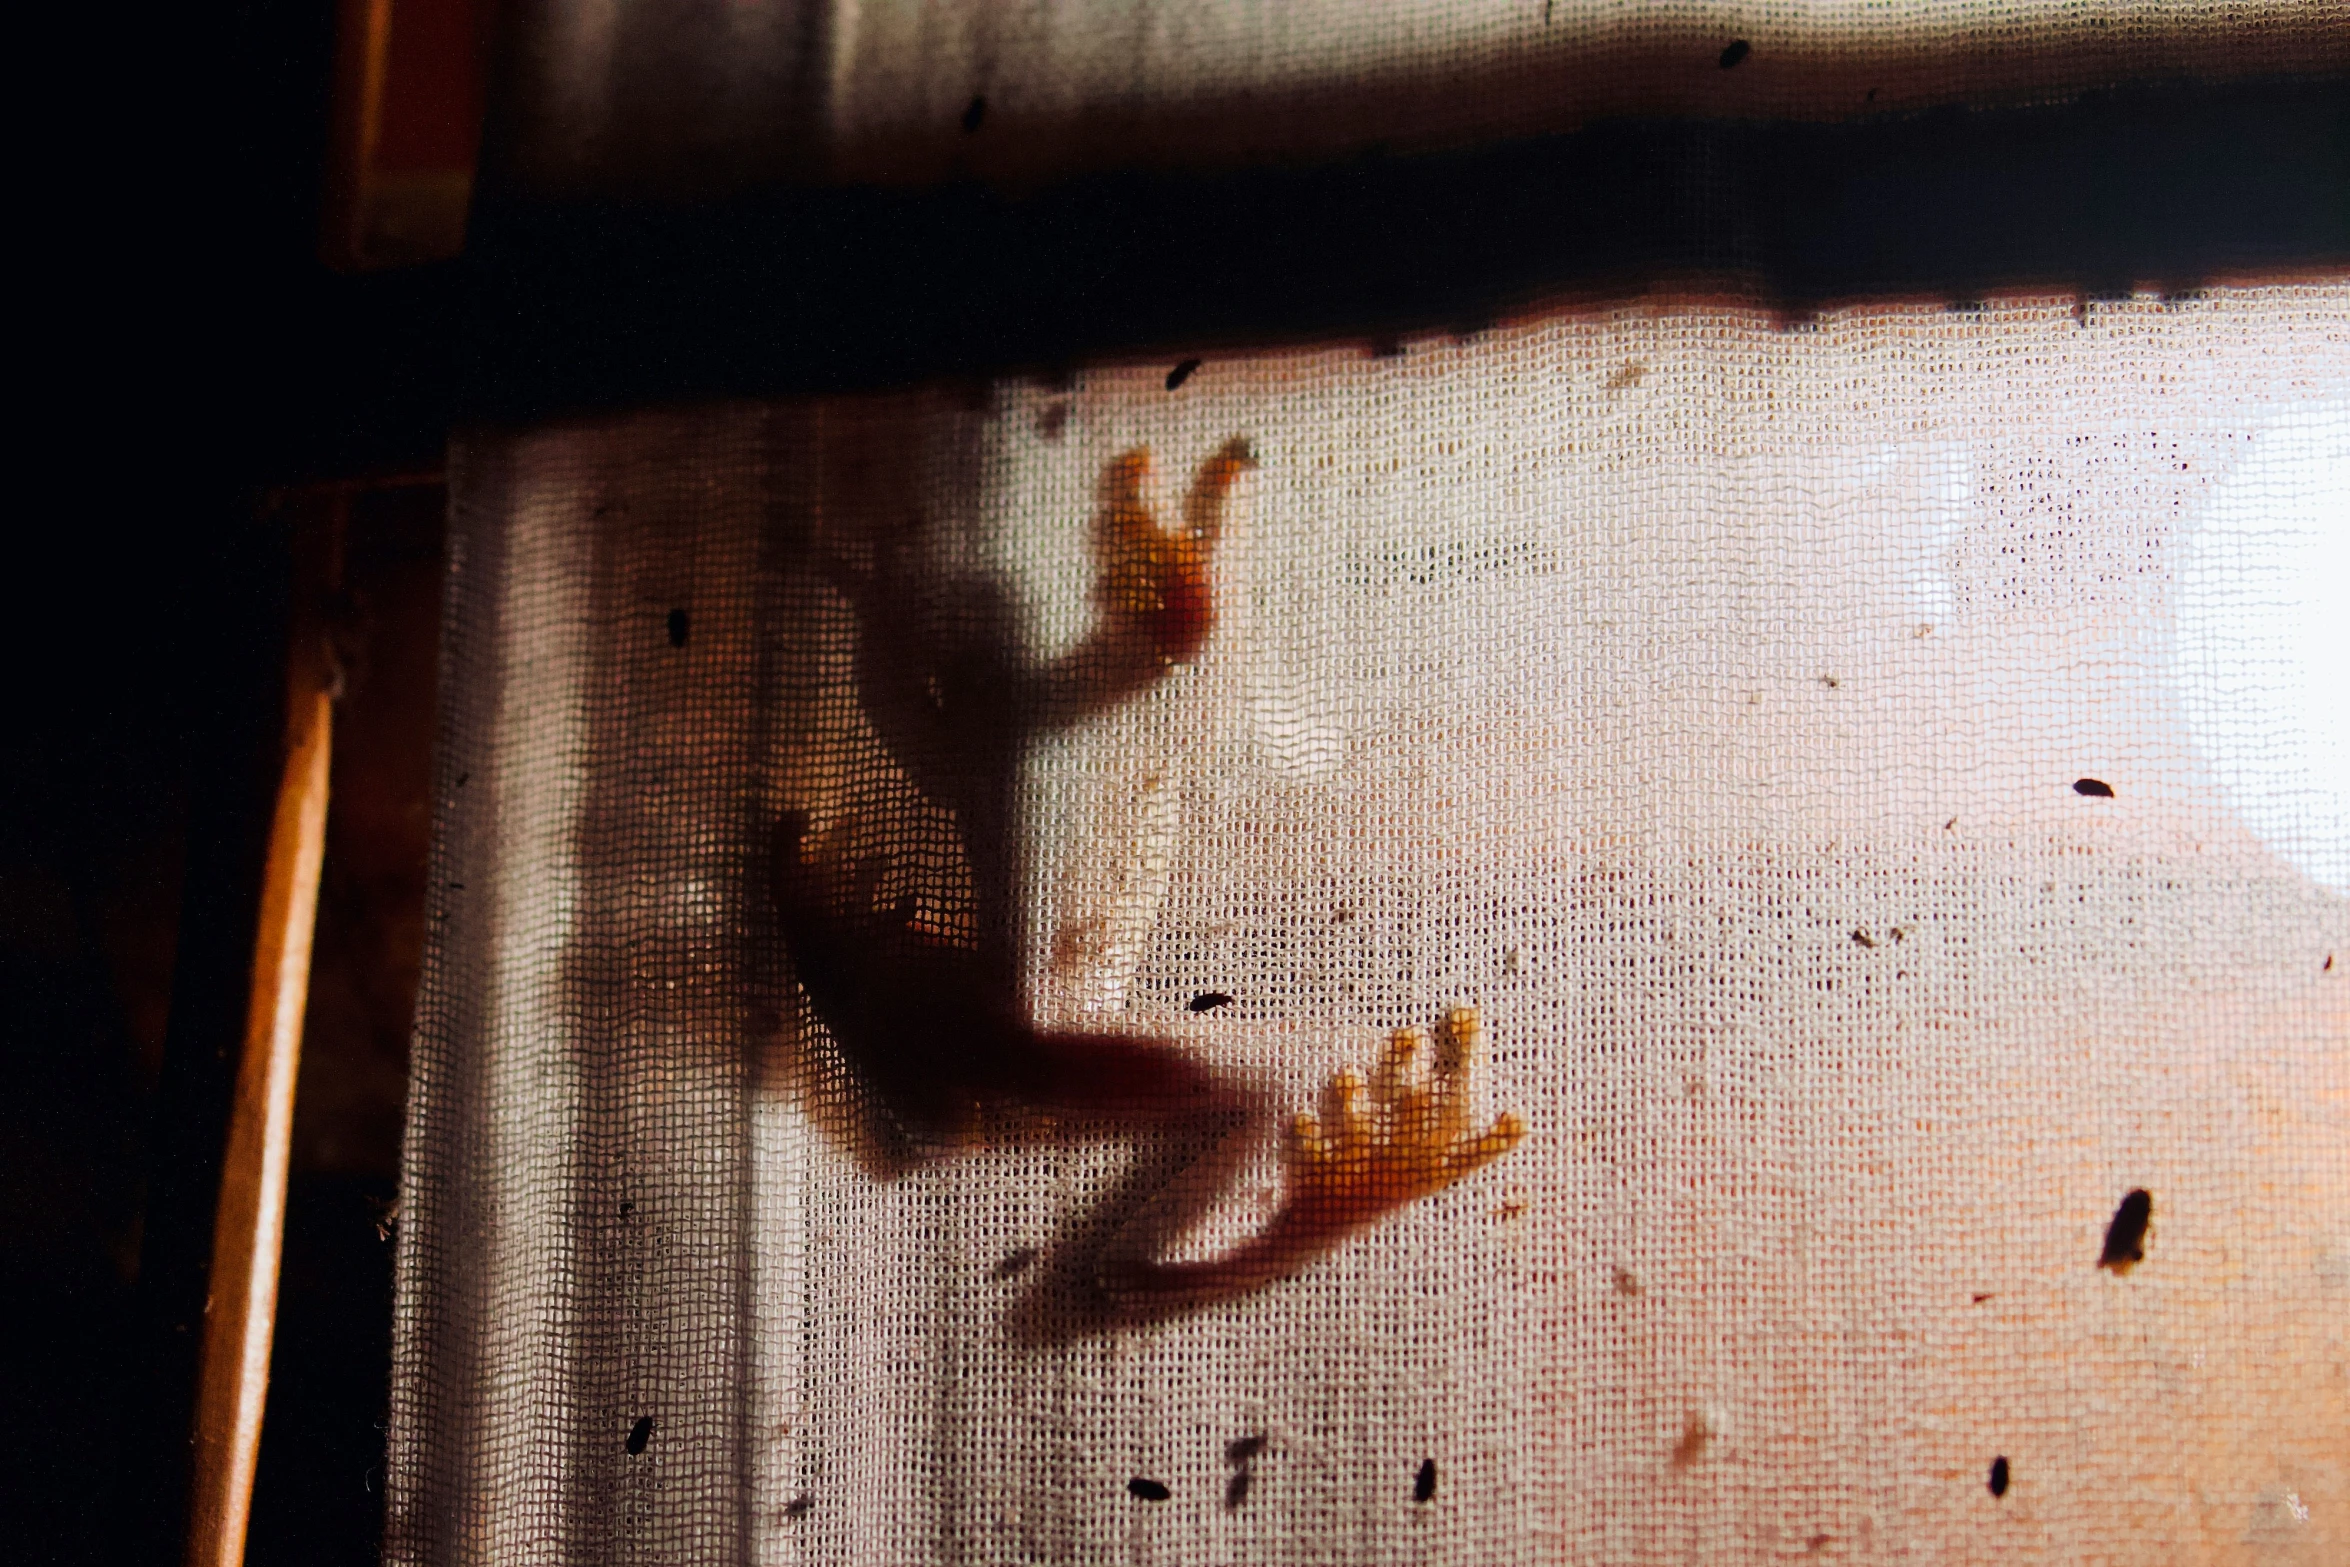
column 1375, row 1146
column 1155, row 581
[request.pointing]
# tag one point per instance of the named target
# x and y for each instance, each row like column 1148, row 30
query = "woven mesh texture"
column 1879, row 784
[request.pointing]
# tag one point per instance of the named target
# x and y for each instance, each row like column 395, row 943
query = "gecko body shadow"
column 933, row 1049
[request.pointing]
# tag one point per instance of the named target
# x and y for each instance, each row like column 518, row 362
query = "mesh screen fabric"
column 1707, row 702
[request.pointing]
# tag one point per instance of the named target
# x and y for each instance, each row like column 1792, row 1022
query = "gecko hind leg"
column 1375, row 1146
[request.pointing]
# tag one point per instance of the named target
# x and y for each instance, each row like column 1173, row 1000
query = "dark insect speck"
column 2327, row 967
column 1053, row 420
column 1181, row 373
column 975, row 115
column 1241, row 1449
column 2125, row 1237
column 1018, row 1262
column 1209, row 1001
column 1979, row 1299
column 1143, row 1490
column 2094, row 788
column 1735, row 55
column 626, row 1209
column 639, row 1434
column 1999, row 1476
column 677, row 628
column 1860, row 938
column 461, row 777
column 799, row 1507
column 1236, row 1490
column 1424, row 1483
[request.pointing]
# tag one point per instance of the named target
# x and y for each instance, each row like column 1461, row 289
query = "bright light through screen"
column 2264, row 639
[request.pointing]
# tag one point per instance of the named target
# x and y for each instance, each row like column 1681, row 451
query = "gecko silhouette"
column 931, row 1025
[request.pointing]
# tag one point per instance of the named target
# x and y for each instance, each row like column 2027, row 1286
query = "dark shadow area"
column 597, row 305
column 318, row 1494
column 142, row 756
column 94, row 795
column 322, row 1435
column 136, row 802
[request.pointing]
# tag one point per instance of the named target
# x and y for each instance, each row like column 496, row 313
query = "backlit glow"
column 2264, row 639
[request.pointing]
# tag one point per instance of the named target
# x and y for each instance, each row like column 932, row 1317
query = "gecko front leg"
column 1373, row 1149
column 1155, row 592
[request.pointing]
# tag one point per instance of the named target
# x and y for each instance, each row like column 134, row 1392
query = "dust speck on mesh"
column 1698, row 1430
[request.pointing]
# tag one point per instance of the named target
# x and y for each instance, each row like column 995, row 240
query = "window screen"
column 1668, row 887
